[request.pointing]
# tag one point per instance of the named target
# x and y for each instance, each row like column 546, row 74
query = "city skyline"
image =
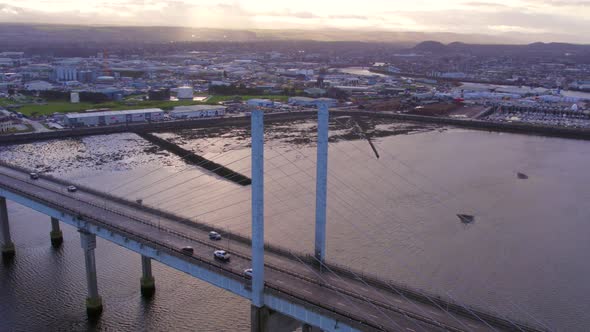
column 544, row 20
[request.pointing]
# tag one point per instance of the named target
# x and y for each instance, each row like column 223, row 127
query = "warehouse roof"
column 108, row 113
column 196, row 108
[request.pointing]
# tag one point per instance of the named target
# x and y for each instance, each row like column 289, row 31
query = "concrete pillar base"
column 309, row 328
column 8, row 250
column 56, row 238
column 93, row 306
column 148, row 286
column 266, row 320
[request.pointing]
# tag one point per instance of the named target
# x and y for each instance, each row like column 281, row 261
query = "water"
column 395, row 217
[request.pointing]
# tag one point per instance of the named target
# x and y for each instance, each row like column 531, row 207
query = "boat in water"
column 466, row 218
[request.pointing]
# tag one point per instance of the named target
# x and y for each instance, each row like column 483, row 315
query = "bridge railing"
column 282, row 292
column 422, row 296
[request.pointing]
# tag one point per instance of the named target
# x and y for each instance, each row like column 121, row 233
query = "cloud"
column 561, row 3
column 551, row 17
column 350, row 17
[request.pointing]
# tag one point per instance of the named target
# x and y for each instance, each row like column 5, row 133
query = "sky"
column 562, row 20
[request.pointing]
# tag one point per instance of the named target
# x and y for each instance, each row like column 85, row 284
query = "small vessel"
column 466, row 218
column 522, row 176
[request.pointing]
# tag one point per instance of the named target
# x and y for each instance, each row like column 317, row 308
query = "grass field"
column 66, row 107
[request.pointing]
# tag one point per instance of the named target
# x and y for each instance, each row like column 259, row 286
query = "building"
column 315, row 92
column 74, row 97
column 185, row 92
column 63, row 73
column 112, row 117
column 159, row 94
column 260, row 103
column 38, row 86
column 197, row 111
column 5, row 123
column 312, row 102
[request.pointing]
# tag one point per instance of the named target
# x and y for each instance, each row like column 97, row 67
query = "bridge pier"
column 93, row 301
column 8, row 250
column 309, row 328
column 148, row 285
column 266, row 320
column 56, row 235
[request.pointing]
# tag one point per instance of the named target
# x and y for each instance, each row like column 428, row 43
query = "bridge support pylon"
column 265, row 320
column 148, row 284
column 93, row 301
column 8, row 250
column 257, row 118
column 321, row 184
column 309, row 328
column 56, row 235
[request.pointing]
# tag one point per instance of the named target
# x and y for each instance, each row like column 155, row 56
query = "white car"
column 221, row 255
column 248, row 273
column 72, row 189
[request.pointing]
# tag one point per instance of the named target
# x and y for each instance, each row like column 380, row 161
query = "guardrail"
column 412, row 293
column 353, row 319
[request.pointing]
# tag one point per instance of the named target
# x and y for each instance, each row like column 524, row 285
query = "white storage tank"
column 185, row 92
column 74, row 97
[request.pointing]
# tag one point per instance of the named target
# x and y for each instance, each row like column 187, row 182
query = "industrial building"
column 260, row 103
column 64, row 73
column 312, row 102
column 184, row 92
column 197, row 111
column 112, row 117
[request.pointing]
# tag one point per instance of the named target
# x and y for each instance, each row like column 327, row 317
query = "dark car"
column 187, row 250
column 214, row 236
column 34, row 176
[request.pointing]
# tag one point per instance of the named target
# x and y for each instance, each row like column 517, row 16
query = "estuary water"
column 393, row 216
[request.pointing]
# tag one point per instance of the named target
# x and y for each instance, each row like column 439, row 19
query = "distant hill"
column 575, row 52
column 47, row 33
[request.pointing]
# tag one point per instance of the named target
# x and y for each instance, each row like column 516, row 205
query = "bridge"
column 287, row 290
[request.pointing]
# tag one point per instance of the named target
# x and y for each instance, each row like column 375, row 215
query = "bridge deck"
column 378, row 309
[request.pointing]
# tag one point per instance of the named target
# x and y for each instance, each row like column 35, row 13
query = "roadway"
column 345, row 296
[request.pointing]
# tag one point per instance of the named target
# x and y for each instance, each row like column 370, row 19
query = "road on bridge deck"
column 346, row 296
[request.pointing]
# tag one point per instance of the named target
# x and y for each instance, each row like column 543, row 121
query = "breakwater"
column 194, row 159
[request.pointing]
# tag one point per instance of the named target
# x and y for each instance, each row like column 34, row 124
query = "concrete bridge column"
column 8, row 250
column 257, row 118
column 321, row 184
column 309, row 328
column 93, row 301
column 56, row 235
column 266, row 320
column 148, row 285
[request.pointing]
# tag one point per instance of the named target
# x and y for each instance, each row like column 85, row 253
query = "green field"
column 65, row 107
